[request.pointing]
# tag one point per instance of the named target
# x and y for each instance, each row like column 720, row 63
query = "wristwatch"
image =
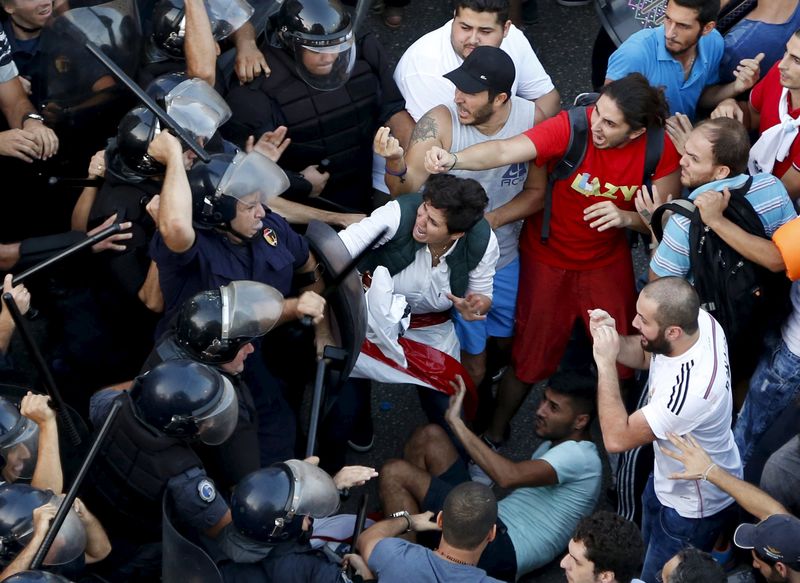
column 32, row 115
column 403, row 514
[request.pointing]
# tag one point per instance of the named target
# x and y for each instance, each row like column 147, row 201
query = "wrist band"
column 708, row 469
column 393, row 173
column 455, row 161
column 408, row 520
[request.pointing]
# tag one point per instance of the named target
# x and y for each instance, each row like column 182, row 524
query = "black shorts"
column 499, row 559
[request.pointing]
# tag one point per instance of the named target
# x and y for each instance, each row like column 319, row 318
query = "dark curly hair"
column 612, row 544
column 463, row 200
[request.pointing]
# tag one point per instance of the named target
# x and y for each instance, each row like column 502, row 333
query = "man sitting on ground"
column 550, row 493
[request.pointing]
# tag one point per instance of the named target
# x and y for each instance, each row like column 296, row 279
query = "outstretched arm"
column 699, row 466
column 481, row 156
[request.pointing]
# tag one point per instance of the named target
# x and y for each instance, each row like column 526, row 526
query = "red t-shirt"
column 764, row 98
column 605, row 174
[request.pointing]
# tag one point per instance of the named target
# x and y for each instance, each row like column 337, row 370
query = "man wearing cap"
column 483, row 108
column 475, row 23
column 775, row 544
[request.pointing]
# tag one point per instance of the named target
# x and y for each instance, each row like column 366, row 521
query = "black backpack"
column 576, row 150
column 744, row 297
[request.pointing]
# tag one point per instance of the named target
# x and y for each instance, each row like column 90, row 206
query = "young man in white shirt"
column 685, row 350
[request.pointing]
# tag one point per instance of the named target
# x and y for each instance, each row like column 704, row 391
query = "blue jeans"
column 665, row 532
column 773, row 387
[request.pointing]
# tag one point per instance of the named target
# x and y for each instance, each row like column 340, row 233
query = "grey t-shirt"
column 395, row 560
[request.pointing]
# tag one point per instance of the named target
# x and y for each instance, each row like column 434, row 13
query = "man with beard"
column 773, row 104
column 483, row 108
column 685, row 350
column 550, row 492
column 683, row 56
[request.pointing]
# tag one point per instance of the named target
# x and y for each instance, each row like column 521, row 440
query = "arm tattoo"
column 426, row 129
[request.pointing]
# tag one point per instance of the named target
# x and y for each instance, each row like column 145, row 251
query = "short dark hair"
column 642, row 105
column 696, row 566
column 707, row 10
column 730, row 144
column 494, row 93
column 677, row 301
column 499, row 7
column 580, row 387
column 463, row 200
column 612, row 544
column 468, row 514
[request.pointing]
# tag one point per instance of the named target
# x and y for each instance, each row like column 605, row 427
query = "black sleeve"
column 391, row 99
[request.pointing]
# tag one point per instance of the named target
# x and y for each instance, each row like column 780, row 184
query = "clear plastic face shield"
column 216, row 425
column 249, row 309
column 227, row 16
column 252, row 174
column 70, row 542
column 19, row 448
column 324, row 62
column 197, row 108
column 315, row 493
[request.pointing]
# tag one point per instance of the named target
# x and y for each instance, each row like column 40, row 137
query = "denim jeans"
column 665, row 532
column 773, row 387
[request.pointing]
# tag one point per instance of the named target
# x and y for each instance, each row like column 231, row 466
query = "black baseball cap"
column 484, row 68
column 776, row 538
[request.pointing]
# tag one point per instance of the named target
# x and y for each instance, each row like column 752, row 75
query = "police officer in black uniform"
column 332, row 90
column 273, row 511
column 148, row 452
column 214, row 229
column 217, row 327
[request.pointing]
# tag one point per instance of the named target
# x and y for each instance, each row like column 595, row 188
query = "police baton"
column 328, row 353
column 67, row 501
column 148, row 101
column 71, row 250
column 74, row 182
column 361, row 518
column 345, row 272
column 56, row 402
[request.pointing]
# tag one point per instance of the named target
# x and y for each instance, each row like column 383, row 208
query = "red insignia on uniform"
column 270, row 237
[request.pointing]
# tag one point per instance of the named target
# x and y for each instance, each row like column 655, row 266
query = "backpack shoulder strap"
column 681, row 206
column 653, row 151
column 576, row 150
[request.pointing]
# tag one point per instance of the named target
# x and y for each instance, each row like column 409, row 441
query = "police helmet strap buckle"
column 181, row 425
column 278, row 528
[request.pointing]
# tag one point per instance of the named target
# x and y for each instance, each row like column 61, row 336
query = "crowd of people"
column 279, row 197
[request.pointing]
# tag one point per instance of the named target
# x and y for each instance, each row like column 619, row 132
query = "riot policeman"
column 272, row 513
column 25, row 515
column 29, row 443
column 148, row 451
column 217, row 327
column 214, row 229
column 332, row 90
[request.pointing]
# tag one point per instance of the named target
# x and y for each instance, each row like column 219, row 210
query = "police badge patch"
column 271, row 237
column 206, row 491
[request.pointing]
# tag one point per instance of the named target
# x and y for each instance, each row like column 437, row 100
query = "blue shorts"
column 499, row 322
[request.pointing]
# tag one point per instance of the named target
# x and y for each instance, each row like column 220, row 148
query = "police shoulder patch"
column 206, row 491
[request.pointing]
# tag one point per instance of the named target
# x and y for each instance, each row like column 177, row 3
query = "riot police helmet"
column 128, row 155
column 19, row 443
column 169, row 22
column 187, row 399
column 36, row 577
column 225, row 180
column 319, row 35
column 269, row 504
column 213, row 325
column 17, row 503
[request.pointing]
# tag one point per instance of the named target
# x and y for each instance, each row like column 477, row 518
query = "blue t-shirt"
column 645, row 52
column 394, row 560
column 542, row 519
column 768, row 197
column 748, row 37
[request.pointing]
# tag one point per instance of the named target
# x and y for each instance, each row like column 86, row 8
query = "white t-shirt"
column 691, row 393
column 419, row 72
